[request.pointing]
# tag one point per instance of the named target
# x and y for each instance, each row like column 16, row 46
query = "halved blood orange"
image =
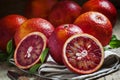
column 27, row 52
column 83, row 54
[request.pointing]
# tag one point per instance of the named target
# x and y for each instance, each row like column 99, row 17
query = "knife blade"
column 13, row 75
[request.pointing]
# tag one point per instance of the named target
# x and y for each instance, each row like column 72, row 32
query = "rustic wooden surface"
column 18, row 9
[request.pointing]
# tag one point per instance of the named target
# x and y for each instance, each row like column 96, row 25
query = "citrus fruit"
column 57, row 39
column 28, row 51
column 83, row 54
column 39, row 8
column 103, row 6
column 8, row 27
column 96, row 24
column 64, row 12
column 32, row 25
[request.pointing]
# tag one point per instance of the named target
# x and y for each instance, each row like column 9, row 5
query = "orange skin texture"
column 58, row 38
column 96, row 24
column 8, row 27
column 39, row 8
column 32, row 25
column 103, row 6
column 64, row 12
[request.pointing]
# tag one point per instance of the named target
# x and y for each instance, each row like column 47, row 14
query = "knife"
column 15, row 76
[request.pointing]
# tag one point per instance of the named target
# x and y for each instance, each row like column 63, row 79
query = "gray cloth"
column 51, row 70
column 58, row 72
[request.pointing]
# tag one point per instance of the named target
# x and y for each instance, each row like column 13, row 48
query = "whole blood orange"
column 103, row 6
column 96, row 24
column 8, row 27
column 64, row 12
column 58, row 38
column 32, row 25
column 83, row 54
column 28, row 51
column 39, row 8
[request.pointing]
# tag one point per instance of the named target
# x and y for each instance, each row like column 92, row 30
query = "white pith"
column 82, row 54
column 28, row 55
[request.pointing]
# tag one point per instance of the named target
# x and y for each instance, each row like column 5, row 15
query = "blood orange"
column 103, row 6
column 8, row 26
column 64, row 12
column 58, row 38
column 83, row 54
column 96, row 24
column 33, row 25
column 29, row 49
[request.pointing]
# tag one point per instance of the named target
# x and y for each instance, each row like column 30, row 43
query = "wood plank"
column 109, row 77
column 116, row 75
column 102, row 78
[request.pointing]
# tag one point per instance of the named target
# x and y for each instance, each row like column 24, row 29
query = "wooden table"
column 113, row 76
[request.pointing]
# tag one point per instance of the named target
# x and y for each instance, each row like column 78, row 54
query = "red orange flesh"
column 83, row 54
column 29, row 49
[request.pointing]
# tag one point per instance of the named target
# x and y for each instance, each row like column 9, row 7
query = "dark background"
column 12, row 7
column 17, row 6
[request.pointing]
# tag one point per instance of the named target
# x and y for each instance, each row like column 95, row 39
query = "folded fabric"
column 52, row 70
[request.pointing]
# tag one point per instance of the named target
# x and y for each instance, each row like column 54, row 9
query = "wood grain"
column 17, row 7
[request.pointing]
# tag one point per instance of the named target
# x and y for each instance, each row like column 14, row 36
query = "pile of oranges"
column 58, row 20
